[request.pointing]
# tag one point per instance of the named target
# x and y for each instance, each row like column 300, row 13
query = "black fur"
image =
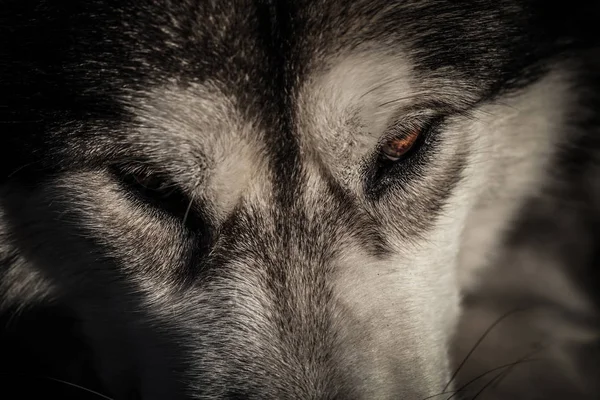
column 71, row 75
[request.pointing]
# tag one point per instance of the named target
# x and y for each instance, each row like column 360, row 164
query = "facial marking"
column 348, row 290
column 209, row 141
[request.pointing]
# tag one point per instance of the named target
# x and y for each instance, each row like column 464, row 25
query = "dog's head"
column 251, row 199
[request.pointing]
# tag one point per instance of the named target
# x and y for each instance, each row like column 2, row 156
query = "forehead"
column 233, row 67
column 261, row 50
column 258, row 56
column 227, row 40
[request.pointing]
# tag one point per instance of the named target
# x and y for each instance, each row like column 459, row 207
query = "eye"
column 399, row 146
column 154, row 186
column 156, row 190
column 407, row 147
column 407, row 137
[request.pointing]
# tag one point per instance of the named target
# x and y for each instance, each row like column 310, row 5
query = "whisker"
column 189, row 207
column 510, row 365
column 481, row 339
column 505, row 373
column 487, row 385
column 79, row 387
column 506, row 367
column 76, row 386
column 455, row 392
column 20, row 169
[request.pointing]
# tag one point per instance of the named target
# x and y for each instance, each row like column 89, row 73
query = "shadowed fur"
column 195, row 202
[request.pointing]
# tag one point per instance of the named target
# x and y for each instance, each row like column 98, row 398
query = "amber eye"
column 399, row 146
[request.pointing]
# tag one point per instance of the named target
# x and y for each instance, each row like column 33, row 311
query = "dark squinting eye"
column 159, row 192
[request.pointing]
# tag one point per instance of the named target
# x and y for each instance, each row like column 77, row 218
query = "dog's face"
column 251, row 200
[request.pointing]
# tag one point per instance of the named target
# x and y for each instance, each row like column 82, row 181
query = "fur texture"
column 194, row 202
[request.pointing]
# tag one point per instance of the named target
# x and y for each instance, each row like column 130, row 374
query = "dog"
column 311, row 199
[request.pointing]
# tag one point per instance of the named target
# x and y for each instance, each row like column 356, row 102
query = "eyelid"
column 423, row 122
column 155, row 190
column 403, row 128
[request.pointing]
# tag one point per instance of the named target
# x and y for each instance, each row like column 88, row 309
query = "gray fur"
column 282, row 259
